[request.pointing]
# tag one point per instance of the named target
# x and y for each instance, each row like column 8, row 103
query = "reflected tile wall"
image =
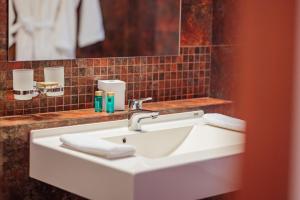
column 155, row 31
column 196, row 22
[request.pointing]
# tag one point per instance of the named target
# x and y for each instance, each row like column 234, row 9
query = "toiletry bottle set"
column 118, row 87
column 109, row 101
column 113, row 95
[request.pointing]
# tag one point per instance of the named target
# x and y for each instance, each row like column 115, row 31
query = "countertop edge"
column 74, row 117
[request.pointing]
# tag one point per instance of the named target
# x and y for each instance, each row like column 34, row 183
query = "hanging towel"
column 47, row 30
column 90, row 31
column 91, row 145
column 91, row 27
column 223, row 121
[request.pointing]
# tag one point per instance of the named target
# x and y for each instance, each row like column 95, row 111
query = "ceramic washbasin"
column 178, row 157
column 155, row 144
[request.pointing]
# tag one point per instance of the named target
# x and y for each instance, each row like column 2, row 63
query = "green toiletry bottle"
column 110, row 102
column 98, row 101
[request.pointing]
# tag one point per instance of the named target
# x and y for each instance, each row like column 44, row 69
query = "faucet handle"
column 136, row 104
column 145, row 99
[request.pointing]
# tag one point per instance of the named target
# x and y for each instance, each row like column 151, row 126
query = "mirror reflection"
column 68, row 29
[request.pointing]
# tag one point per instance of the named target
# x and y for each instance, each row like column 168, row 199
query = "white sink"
column 178, row 157
column 155, row 144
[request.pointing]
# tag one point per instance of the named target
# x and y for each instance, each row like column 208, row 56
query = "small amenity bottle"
column 110, row 102
column 98, row 101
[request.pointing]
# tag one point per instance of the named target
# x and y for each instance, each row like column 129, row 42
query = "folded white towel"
column 224, row 121
column 91, row 145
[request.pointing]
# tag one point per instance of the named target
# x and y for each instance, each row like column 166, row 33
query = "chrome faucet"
column 136, row 113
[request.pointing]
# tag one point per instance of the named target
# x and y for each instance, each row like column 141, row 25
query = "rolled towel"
column 224, row 121
column 91, row 145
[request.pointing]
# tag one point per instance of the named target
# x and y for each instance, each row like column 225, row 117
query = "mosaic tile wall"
column 225, row 28
column 187, row 75
column 163, row 78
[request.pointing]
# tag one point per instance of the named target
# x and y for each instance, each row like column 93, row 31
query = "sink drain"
column 124, row 140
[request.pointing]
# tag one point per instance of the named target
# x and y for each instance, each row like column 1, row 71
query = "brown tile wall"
column 187, row 75
column 163, row 78
column 225, row 27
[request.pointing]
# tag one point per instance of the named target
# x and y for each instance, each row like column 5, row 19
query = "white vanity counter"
column 178, row 157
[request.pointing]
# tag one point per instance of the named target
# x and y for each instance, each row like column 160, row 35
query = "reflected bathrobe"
column 47, row 30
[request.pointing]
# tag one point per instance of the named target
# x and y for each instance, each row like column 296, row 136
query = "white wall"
column 295, row 179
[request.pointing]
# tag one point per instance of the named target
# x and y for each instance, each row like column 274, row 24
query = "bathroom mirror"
column 68, row 29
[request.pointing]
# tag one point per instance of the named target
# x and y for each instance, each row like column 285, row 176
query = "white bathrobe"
column 47, row 29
